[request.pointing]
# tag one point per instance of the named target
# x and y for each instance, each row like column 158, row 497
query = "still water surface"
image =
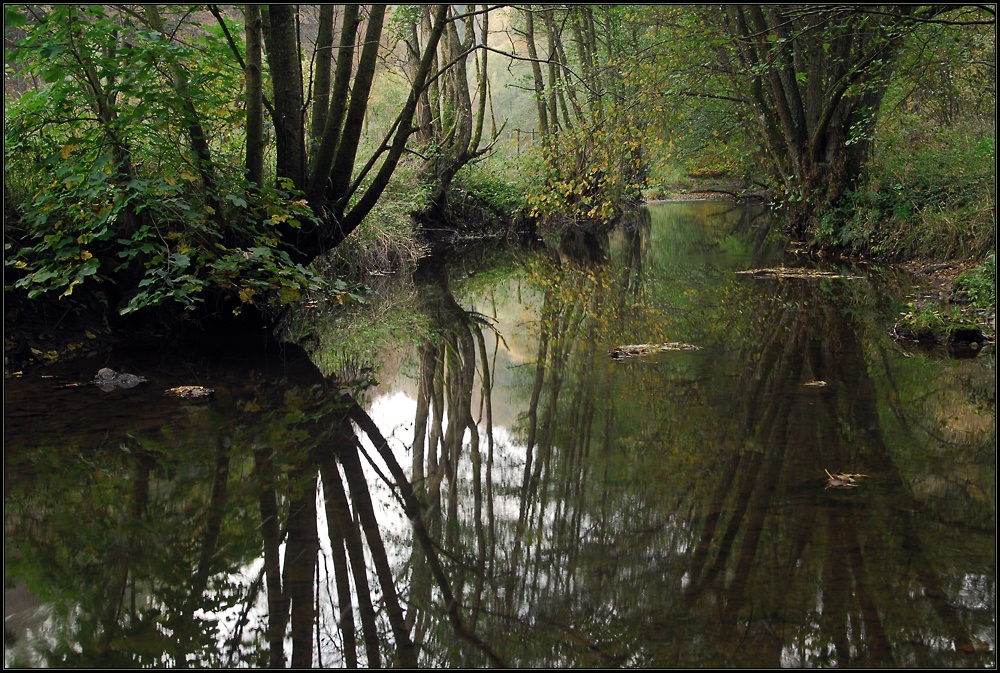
column 510, row 494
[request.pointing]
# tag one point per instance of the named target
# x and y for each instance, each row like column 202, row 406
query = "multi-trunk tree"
column 813, row 78
column 339, row 195
column 156, row 149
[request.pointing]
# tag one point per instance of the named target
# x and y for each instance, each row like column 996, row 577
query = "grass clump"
column 386, row 240
column 979, row 285
column 932, row 322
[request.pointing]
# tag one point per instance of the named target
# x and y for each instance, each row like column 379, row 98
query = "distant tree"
column 585, row 64
column 451, row 118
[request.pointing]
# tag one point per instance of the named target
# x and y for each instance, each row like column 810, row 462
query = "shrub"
column 978, row 285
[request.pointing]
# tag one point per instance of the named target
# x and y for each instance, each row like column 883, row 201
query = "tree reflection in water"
column 736, row 553
column 333, row 452
column 150, row 560
column 818, row 552
column 667, row 511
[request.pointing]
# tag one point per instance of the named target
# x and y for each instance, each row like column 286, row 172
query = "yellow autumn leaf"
column 67, row 150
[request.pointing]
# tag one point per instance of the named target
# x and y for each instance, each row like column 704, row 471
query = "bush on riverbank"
column 979, row 285
column 930, row 193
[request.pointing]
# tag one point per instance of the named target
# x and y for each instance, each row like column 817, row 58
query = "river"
column 484, row 468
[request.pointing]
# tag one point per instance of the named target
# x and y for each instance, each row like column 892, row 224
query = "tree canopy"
column 205, row 156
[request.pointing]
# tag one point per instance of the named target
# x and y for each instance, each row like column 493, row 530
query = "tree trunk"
column 255, row 99
column 323, row 70
column 347, row 152
column 286, row 77
column 536, row 74
column 339, row 99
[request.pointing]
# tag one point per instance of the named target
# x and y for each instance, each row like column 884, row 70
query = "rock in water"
column 108, row 379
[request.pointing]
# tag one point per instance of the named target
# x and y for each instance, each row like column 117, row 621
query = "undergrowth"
column 929, row 193
column 979, row 285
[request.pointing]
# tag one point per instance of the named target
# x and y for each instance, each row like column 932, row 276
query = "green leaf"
column 51, row 51
column 12, row 18
column 52, row 74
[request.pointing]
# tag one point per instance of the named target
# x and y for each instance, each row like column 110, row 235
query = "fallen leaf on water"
column 188, row 392
column 842, row 479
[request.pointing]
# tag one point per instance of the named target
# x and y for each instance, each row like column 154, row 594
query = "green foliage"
column 253, row 268
column 83, row 223
column 107, row 186
column 500, row 192
column 929, row 192
column 951, row 163
column 699, row 131
column 979, row 285
column 932, row 322
column 402, row 19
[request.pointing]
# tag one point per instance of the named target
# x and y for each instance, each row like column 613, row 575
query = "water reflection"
column 675, row 512
column 518, row 498
column 143, row 544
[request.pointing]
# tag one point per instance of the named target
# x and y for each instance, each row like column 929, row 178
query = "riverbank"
column 42, row 331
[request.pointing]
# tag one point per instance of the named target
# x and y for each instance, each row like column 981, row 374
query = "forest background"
column 185, row 164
